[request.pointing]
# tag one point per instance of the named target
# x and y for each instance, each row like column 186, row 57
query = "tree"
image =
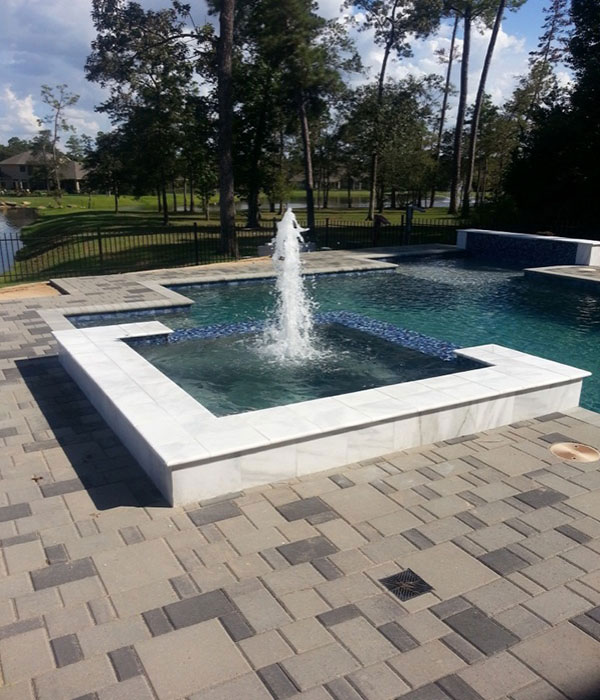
column 106, row 164
column 57, row 99
column 513, row 4
column 14, row 146
column 449, row 59
column 146, row 59
column 393, row 22
column 310, row 53
column 555, row 173
column 77, row 146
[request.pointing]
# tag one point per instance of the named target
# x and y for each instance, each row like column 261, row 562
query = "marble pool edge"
column 192, row 455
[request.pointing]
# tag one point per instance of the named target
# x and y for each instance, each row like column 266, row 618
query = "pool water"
column 458, row 300
column 231, row 375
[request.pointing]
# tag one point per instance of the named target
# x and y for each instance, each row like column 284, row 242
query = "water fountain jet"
column 290, row 336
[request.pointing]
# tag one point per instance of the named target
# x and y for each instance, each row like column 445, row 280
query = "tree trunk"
column 192, row 205
column 477, row 109
column 438, row 147
column 349, row 192
column 116, row 196
column 185, row 207
column 174, row 196
column 252, row 220
column 460, row 117
column 252, row 212
column 380, row 83
column 165, row 207
column 225, row 99
column 308, row 171
column 159, row 203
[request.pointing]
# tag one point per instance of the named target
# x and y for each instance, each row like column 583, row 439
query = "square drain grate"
column 406, row 585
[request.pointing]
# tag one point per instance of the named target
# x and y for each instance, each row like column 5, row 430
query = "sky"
column 47, row 42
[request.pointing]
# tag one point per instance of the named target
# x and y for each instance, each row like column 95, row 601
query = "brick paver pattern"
column 106, row 592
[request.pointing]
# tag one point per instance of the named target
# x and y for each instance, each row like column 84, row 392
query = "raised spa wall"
column 528, row 250
column 192, row 455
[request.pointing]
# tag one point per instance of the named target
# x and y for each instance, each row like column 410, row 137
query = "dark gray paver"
column 277, row 682
column 461, row 438
column 458, row 689
column 214, row 513
column 158, row 623
column 450, row 607
column 417, row 538
column 18, row 510
column 20, row 627
column 587, row 625
column 538, row 498
column 462, row 648
column 337, row 615
column 327, row 568
column 427, row 692
column 340, row 689
column 550, row 416
column 236, row 626
column 56, row 554
column 574, row 533
column 19, row 539
column 306, row 550
column 131, row 534
column 184, row 586
column 58, row 488
column 66, row 650
column 342, row 481
column 471, row 520
column 323, row 517
column 297, row 510
column 126, row 663
column 200, row 608
column 398, row 636
column 482, row 632
column 58, row 574
column 503, row 561
column 556, row 437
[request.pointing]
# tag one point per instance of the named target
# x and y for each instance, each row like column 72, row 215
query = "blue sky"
column 47, row 42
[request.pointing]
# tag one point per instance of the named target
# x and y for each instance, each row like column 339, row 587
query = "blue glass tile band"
column 381, row 329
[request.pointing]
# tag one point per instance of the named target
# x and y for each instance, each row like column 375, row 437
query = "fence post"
column 100, row 255
column 196, row 257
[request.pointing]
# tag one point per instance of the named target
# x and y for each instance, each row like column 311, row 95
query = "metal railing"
column 129, row 250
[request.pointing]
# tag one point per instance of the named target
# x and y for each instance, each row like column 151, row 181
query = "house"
column 28, row 171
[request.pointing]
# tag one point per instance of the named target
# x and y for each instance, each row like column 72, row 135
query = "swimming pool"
column 458, row 300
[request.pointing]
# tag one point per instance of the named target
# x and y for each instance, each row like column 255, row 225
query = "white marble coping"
column 182, row 432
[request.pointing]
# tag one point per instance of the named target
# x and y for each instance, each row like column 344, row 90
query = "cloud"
column 17, row 116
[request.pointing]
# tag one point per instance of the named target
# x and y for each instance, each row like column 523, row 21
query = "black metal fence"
column 129, row 250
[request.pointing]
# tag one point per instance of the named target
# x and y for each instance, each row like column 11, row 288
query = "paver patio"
column 106, row 592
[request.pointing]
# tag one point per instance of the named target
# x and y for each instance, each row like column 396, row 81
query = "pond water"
column 11, row 223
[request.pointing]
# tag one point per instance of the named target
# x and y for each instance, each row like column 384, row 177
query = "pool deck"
column 108, row 593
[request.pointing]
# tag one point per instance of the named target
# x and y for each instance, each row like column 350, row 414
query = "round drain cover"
column 575, row 452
